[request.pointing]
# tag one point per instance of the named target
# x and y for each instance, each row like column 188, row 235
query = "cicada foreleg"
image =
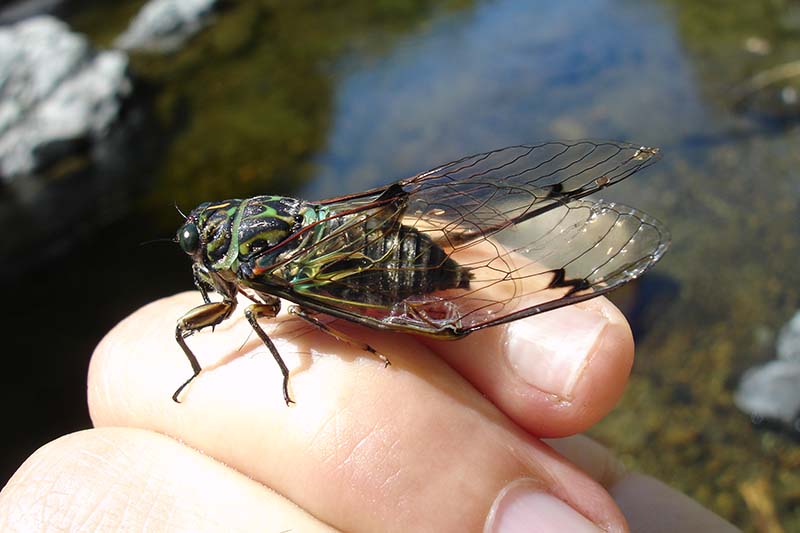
column 308, row 317
column 203, row 316
column 202, row 281
column 269, row 309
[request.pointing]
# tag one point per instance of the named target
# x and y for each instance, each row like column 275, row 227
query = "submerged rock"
column 772, row 392
column 164, row 25
column 788, row 346
column 56, row 93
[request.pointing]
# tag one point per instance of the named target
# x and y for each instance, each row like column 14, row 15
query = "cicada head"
column 207, row 234
column 188, row 237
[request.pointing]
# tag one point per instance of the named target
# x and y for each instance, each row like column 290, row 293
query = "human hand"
column 445, row 439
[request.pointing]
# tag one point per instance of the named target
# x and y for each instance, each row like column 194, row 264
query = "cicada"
column 474, row 243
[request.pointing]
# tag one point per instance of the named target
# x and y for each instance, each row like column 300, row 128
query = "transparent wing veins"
column 516, row 219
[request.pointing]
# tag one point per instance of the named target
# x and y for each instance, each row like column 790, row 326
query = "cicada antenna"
column 179, row 211
column 173, row 240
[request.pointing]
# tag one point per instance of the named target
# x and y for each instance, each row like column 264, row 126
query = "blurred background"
column 113, row 113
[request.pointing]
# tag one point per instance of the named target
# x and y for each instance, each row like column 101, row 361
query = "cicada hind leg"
column 336, row 334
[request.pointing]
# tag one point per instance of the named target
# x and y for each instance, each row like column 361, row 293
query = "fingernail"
column 520, row 507
column 551, row 350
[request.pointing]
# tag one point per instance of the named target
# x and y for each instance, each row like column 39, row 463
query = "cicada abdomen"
column 371, row 258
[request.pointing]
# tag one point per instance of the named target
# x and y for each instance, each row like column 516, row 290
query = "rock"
column 22, row 9
column 788, row 345
column 56, row 92
column 164, row 25
column 772, row 392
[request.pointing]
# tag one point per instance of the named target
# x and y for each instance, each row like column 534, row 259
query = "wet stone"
column 56, row 93
column 165, row 25
column 788, row 345
column 772, row 392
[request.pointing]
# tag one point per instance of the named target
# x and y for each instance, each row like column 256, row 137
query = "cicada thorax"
column 235, row 231
column 371, row 258
column 267, row 221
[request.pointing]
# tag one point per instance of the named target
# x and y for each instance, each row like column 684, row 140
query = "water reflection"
column 747, row 61
column 498, row 75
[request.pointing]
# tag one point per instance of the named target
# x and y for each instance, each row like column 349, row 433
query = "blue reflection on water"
column 507, row 72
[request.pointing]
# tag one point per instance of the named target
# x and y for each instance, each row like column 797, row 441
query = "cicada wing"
column 478, row 195
column 514, row 222
column 351, row 226
column 570, row 253
column 514, row 217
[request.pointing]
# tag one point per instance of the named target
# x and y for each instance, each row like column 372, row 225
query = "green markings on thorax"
column 268, row 221
column 232, row 253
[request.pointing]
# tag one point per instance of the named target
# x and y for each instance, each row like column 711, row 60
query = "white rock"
column 15, row 11
column 164, row 25
column 35, row 57
column 772, row 392
column 54, row 89
column 788, row 345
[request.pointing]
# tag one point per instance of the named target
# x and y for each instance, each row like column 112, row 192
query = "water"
column 367, row 96
column 494, row 75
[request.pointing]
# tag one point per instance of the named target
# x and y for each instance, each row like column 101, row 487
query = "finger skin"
column 115, row 479
column 482, row 358
column 409, row 447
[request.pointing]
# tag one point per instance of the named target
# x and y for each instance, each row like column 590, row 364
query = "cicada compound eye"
column 189, row 238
